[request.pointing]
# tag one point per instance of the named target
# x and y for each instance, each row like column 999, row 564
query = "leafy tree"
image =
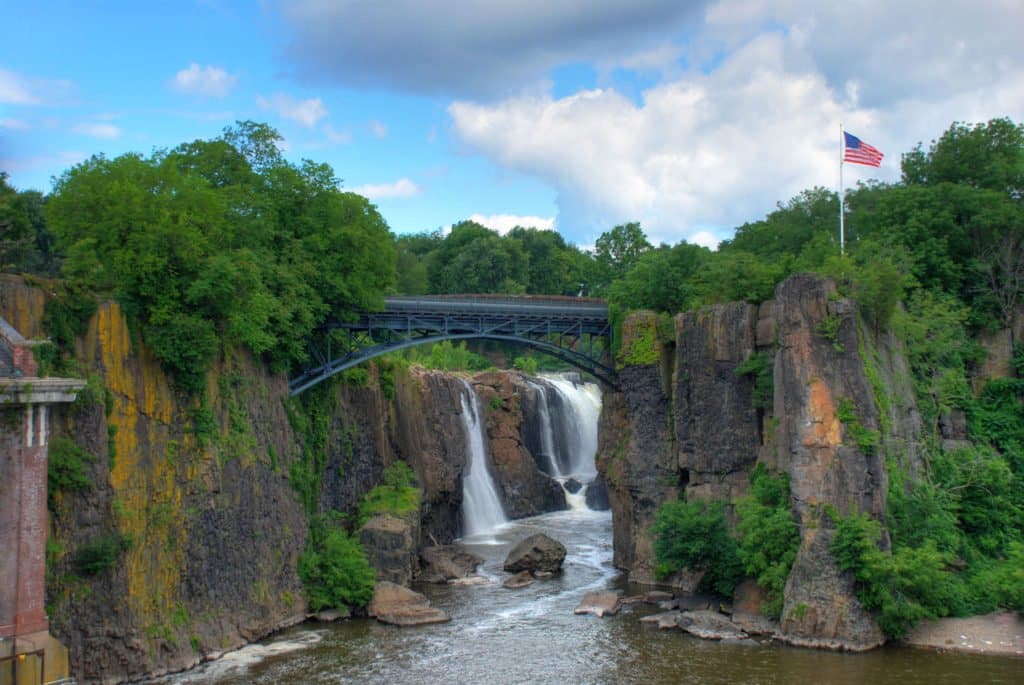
column 334, row 568
column 616, row 252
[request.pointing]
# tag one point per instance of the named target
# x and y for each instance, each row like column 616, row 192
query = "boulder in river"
column 666, row 620
column 599, row 603
column 536, row 553
column 709, row 625
column 401, row 606
column 572, row 486
column 521, row 579
column 445, row 563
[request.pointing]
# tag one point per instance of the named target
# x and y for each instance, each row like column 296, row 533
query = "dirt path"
column 999, row 633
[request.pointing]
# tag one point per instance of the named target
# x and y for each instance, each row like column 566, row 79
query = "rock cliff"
column 820, row 421
column 185, row 541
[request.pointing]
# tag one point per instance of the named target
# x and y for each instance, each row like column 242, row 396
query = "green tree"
column 616, row 252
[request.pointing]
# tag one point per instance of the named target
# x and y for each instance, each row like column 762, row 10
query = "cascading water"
column 481, row 507
column 568, row 434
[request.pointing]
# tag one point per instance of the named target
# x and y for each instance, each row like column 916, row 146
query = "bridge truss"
column 566, row 328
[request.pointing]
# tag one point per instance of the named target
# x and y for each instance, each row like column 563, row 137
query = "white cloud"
column 503, row 223
column 754, row 119
column 403, row 187
column 305, row 112
column 337, row 137
column 378, row 128
column 16, row 124
column 97, row 129
column 14, row 90
column 209, row 81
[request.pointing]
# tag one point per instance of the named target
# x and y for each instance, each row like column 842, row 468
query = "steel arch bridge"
column 564, row 327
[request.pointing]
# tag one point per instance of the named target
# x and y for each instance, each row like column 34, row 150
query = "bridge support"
column 28, row 653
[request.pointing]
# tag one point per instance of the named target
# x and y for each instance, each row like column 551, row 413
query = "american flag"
column 859, row 152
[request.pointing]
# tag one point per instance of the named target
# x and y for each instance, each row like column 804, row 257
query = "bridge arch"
column 564, row 327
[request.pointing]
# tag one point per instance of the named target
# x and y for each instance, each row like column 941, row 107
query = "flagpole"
column 842, row 227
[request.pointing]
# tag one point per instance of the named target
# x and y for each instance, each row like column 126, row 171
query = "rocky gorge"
column 203, row 507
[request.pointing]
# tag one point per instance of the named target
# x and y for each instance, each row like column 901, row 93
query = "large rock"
column 596, row 495
column 401, row 606
column 599, row 603
column 536, row 553
column 828, row 469
column 390, row 547
column 709, row 625
column 443, row 564
column 524, row 488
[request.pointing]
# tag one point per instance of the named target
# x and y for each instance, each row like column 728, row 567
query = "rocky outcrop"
column 524, row 488
column 446, row 563
column 709, row 625
column 400, row 606
column 390, row 546
column 700, row 434
column 601, row 603
column 536, row 553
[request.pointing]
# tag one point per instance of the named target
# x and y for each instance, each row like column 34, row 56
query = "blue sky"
column 690, row 117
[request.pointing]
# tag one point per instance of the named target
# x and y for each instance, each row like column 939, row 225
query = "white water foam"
column 482, row 512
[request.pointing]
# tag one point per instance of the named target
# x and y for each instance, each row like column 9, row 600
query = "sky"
column 691, row 117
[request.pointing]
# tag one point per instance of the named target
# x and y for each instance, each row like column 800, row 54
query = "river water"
column 531, row 635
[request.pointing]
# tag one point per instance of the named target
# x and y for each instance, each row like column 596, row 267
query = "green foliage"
column 310, row 418
column 527, row 365
column 695, row 536
column 768, row 536
column 867, row 440
column 102, row 554
column 445, row 356
column 334, row 569
column 904, row 587
column 66, row 469
column 642, row 346
column 761, row 367
column 398, row 495
column 217, row 243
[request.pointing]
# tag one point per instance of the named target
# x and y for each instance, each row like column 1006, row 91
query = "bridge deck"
column 562, row 326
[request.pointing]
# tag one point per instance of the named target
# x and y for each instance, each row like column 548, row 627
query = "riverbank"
column 996, row 634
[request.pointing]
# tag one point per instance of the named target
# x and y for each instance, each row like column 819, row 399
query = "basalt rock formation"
column 689, row 421
column 186, row 539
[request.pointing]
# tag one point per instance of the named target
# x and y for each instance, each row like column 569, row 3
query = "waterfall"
column 481, row 507
column 568, row 433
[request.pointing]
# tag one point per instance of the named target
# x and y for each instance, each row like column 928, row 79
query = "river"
column 531, row 635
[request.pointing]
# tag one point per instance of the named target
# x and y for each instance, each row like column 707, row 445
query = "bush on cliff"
column 695, row 536
column 334, row 568
column 768, row 536
column 910, row 584
column 397, row 496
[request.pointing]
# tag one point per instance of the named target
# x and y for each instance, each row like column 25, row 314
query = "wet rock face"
column 524, row 488
column 446, row 563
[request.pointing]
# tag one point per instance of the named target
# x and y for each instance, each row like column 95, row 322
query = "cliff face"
column 185, row 542
column 701, row 436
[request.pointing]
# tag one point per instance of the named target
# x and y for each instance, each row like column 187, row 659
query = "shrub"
column 334, row 570
column 760, row 366
column 768, row 536
column 695, row 536
column 903, row 587
column 66, row 469
column 396, row 496
column 101, row 555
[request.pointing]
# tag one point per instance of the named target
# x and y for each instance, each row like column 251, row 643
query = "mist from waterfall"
column 482, row 512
